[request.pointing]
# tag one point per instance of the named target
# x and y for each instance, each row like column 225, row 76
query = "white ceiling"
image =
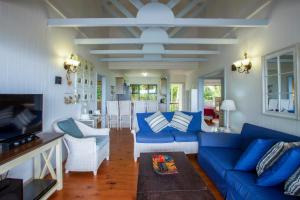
column 115, row 8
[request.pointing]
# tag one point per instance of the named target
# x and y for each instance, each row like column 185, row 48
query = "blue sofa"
column 218, row 154
column 169, row 139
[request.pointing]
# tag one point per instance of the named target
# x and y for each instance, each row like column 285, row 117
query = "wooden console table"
column 42, row 148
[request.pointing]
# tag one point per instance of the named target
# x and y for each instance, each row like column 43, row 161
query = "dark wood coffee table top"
column 186, row 184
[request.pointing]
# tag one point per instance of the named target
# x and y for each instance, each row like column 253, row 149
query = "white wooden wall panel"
column 31, row 55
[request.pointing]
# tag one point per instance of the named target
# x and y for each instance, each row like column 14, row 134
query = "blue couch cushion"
column 253, row 154
column 185, row 136
column 251, row 132
column 242, row 186
column 69, row 127
column 142, row 137
column 216, row 161
column 282, row 169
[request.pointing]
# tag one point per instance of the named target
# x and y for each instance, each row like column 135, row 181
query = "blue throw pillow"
column 69, row 127
column 253, row 154
column 282, row 169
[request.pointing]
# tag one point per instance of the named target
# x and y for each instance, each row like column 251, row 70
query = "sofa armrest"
column 219, row 140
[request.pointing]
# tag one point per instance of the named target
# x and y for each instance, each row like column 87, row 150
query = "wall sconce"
column 242, row 66
column 71, row 65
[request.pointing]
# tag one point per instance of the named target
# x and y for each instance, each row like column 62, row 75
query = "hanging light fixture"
column 242, row 66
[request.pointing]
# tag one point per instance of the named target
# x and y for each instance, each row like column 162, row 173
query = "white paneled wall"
column 31, row 55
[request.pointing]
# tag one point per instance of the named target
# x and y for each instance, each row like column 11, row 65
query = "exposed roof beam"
column 122, row 9
column 194, row 14
column 156, row 41
column 188, row 8
column 166, row 52
column 114, row 14
column 153, row 59
column 137, row 3
column 172, row 3
column 63, row 16
column 178, row 22
column 260, row 8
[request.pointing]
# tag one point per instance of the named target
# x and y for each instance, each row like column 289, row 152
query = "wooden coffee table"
column 186, row 184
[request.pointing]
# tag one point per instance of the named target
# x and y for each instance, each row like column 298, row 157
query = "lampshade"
column 228, row 105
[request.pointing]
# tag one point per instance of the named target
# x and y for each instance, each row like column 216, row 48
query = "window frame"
column 276, row 54
column 139, row 91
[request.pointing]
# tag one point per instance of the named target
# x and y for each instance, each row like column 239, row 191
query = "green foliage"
column 210, row 92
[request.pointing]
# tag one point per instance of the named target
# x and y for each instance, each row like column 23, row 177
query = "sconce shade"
column 228, row 105
column 242, row 65
column 72, row 62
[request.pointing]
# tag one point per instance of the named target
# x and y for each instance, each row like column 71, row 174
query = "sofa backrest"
column 195, row 125
column 251, row 132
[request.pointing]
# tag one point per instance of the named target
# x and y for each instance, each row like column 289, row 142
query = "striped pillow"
column 181, row 121
column 157, row 122
column 273, row 155
column 292, row 185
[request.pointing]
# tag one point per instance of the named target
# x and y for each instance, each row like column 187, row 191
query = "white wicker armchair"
column 83, row 153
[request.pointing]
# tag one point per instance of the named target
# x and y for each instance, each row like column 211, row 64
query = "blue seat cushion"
column 216, row 161
column 282, row 169
column 101, row 140
column 242, row 186
column 184, row 136
column 142, row 137
column 254, row 152
column 69, row 126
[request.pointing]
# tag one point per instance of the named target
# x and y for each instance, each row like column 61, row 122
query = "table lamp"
column 227, row 106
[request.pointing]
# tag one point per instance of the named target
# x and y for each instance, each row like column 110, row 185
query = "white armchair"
column 85, row 154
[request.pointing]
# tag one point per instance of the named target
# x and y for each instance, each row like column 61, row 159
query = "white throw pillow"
column 292, row 185
column 157, row 122
column 181, row 121
column 273, row 155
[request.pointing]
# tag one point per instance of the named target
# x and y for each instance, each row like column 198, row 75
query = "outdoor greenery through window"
column 143, row 92
column 211, row 92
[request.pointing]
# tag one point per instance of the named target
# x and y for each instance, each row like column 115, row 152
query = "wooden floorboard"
column 117, row 178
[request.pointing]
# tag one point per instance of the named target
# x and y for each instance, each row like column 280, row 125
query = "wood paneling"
column 117, row 178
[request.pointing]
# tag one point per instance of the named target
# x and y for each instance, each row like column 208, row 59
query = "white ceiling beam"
column 178, row 22
column 165, row 52
column 156, row 41
column 188, row 8
column 259, row 9
column 122, row 9
column 137, row 3
column 152, row 59
column 114, row 14
column 172, row 3
column 194, row 14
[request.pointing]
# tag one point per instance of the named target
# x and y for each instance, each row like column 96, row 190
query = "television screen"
column 20, row 114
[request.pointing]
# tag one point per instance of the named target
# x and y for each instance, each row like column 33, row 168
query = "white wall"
column 32, row 55
column 246, row 89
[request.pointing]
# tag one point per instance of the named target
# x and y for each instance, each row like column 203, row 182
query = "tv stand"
column 17, row 141
column 44, row 147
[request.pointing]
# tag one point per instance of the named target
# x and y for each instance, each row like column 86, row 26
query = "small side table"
column 88, row 122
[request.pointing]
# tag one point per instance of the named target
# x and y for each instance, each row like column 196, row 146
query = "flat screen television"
column 20, row 114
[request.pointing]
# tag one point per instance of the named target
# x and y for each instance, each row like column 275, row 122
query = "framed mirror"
column 280, row 79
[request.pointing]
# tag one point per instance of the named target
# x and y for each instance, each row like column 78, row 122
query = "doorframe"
column 103, row 98
column 183, row 98
column 209, row 76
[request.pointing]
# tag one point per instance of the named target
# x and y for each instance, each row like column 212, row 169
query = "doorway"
column 176, row 96
column 211, row 94
column 101, row 100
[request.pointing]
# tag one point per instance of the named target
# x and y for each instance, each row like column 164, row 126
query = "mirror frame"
column 295, row 50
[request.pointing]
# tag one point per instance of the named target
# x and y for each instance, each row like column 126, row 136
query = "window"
column 279, row 78
column 143, row 92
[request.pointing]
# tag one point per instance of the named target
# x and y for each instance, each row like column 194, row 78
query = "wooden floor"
column 117, row 178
